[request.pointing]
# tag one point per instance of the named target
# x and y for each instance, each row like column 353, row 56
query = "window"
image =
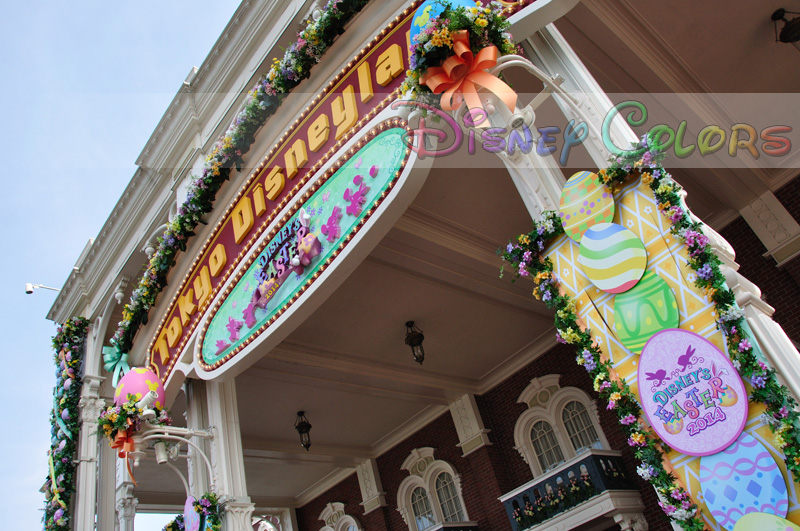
column 559, row 424
column 336, row 519
column 448, row 498
column 431, row 494
column 421, row 505
column 579, row 427
column 548, row 452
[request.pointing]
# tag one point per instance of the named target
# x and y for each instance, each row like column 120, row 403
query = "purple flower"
column 560, row 339
column 509, row 248
column 627, row 420
column 526, row 256
column 522, row 271
column 546, row 296
column 58, row 515
column 758, row 381
column 744, row 344
column 705, row 272
column 783, row 412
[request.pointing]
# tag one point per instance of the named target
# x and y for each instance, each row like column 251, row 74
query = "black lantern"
column 414, row 339
column 790, row 33
column 303, row 427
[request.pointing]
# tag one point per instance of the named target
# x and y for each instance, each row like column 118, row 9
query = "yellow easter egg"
column 585, row 202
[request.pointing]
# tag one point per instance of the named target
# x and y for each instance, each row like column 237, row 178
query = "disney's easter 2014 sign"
column 690, row 392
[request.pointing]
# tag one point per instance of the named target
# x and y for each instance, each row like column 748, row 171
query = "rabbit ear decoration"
column 304, row 217
column 690, row 350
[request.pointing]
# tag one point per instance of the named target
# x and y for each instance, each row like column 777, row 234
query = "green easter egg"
column 764, row 522
column 645, row 309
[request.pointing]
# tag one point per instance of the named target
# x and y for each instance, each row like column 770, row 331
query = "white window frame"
column 551, row 412
column 336, row 520
column 424, row 470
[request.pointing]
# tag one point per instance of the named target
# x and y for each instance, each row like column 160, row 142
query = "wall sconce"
column 790, row 33
column 303, row 427
column 414, row 339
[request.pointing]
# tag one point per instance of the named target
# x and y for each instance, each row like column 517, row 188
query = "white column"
column 90, row 406
column 548, row 50
column 197, row 419
column 372, row 493
column 126, row 500
column 227, row 457
column 106, row 491
column 469, row 425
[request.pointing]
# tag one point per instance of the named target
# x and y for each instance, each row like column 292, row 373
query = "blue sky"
column 84, row 84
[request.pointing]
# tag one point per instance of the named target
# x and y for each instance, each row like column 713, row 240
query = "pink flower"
column 744, row 344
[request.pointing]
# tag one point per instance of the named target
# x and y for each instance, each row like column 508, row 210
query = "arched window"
column 548, row 452
column 336, row 519
column 421, row 505
column 448, row 498
column 431, row 494
column 559, row 424
column 579, row 427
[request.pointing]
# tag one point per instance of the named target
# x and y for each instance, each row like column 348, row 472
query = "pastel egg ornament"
column 430, row 9
column 191, row 518
column 138, row 382
column 675, row 426
column 764, row 522
column 613, row 257
column 642, row 311
column 585, row 202
column 741, row 480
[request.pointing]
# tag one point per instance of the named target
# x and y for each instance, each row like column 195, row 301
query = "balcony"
column 592, row 485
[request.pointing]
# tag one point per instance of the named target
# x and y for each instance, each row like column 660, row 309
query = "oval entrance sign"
column 692, row 395
column 295, row 253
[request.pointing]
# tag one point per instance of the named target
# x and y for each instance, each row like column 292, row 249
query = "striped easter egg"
column 585, row 202
column 643, row 310
column 613, row 257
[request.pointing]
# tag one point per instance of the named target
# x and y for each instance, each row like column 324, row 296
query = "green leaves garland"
column 525, row 256
column 261, row 103
column 65, row 425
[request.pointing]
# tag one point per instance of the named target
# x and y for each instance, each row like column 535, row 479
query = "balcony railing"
column 570, row 484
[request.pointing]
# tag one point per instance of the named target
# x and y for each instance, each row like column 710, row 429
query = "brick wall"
column 780, row 287
column 489, row 472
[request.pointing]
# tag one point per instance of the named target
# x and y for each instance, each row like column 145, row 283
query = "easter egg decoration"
column 191, row 518
column 585, row 202
column 138, row 382
column 676, row 383
column 644, row 310
column 764, row 522
column 613, row 257
column 429, row 10
column 742, row 479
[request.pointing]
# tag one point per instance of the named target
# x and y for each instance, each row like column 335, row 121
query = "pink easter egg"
column 138, row 382
column 191, row 519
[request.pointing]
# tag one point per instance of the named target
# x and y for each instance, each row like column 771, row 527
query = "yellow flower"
column 664, row 187
column 797, row 460
column 779, row 441
column 664, row 206
column 615, row 396
column 524, row 239
column 480, row 21
column 647, row 178
column 638, row 438
column 709, row 292
column 536, row 294
column 473, row 10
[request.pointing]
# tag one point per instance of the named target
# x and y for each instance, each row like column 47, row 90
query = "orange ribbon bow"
column 125, row 446
column 460, row 73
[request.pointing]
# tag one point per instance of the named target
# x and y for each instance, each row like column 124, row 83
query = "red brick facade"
column 487, row 473
column 780, row 286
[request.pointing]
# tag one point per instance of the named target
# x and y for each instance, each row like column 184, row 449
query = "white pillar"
column 548, row 50
column 227, row 457
column 372, row 493
column 469, row 425
column 126, row 501
column 106, row 490
column 197, row 419
column 90, row 406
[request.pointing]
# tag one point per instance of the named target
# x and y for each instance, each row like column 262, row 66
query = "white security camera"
column 28, row 288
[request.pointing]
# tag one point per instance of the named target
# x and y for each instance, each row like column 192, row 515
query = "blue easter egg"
column 742, row 479
column 431, row 9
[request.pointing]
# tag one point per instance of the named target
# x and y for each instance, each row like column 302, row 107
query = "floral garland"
column 127, row 418
column 209, row 507
column 64, row 417
column 525, row 255
column 549, row 505
column 486, row 26
column 261, row 103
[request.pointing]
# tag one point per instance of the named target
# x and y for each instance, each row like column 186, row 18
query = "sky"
column 84, row 84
